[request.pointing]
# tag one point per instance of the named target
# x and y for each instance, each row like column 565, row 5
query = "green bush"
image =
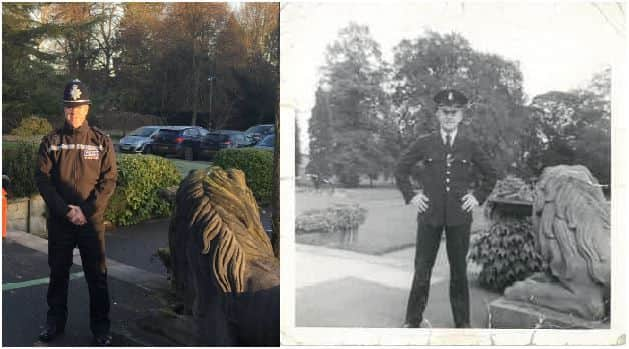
column 136, row 197
column 32, row 126
column 257, row 164
column 506, row 251
column 18, row 162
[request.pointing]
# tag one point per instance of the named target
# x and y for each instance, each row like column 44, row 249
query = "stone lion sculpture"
column 572, row 228
column 223, row 264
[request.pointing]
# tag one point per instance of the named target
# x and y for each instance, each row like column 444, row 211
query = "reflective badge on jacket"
column 91, row 154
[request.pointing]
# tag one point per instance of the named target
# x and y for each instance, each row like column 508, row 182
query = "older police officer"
column 456, row 177
column 76, row 175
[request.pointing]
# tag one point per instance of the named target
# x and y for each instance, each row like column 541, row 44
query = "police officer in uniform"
column 456, row 177
column 76, row 175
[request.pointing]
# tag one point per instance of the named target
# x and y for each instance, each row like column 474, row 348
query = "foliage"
column 507, row 253
column 122, row 51
column 353, row 103
column 429, row 63
column 339, row 218
column 136, row 197
column 574, row 127
column 32, row 126
column 257, row 164
column 297, row 149
column 24, row 62
column 320, row 128
column 19, row 162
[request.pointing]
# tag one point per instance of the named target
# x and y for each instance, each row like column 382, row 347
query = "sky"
column 559, row 45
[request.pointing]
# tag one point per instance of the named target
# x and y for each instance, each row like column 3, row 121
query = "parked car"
column 267, row 143
column 257, row 132
column 220, row 139
column 139, row 140
column 176, row 140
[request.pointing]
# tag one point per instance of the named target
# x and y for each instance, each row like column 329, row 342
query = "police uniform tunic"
column 78, row 167
column 448, row 173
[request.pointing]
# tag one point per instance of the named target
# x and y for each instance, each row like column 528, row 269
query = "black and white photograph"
column 452, row 172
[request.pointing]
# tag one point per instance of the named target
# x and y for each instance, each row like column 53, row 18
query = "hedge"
column 32, row 126
column 18, row 162
column 257, row 164
column 136, row 197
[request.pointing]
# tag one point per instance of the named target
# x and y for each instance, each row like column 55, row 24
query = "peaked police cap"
column 450, row 98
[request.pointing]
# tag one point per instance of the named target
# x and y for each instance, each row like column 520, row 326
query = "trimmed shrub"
column 136, row 197
column 257, row 164
column 18, row 162
column 32, row 126
column 339, row 218
column 507, row 253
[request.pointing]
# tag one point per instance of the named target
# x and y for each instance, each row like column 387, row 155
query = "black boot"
column 103, row 340
column 50, row 332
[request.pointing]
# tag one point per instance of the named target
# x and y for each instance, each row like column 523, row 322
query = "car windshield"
column 268, row 141
column 258, row 129
column 143, row 132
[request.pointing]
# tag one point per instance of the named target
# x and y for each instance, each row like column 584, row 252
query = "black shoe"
column 410, row 325
column 49, row 333
column 463, row 325
column 103, row 340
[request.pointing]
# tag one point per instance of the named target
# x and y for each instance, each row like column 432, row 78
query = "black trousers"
column 63, row 236
column 457, row 245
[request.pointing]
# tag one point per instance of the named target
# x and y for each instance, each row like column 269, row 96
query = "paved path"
column 339, row 288
column 25, row 273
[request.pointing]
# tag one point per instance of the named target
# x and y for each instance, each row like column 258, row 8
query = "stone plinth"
column 513, row 314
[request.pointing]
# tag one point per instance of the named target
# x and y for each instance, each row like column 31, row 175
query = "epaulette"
column 99, row 131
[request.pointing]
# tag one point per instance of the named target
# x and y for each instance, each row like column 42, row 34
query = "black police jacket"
column 78, row 167
column 446, row 176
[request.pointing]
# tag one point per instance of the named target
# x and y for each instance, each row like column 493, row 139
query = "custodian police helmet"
column 76, row 93
column 450, row 98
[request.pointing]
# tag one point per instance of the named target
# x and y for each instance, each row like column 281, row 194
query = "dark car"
column 257, row 132
column 138, row 141
column 267, row 143
column 175, row 140
column 221, row 139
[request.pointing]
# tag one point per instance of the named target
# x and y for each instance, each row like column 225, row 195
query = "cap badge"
column 450, row 96
column 75, row 92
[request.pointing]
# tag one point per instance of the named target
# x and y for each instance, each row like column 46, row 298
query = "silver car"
column 138, row 141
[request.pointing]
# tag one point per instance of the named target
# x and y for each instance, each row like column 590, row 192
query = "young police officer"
column 76, row 176
column 449, row 191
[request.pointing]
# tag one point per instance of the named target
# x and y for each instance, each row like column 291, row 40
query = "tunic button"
column 447, row 188
column 448, row 164
column 447, row 180
column 447, row 172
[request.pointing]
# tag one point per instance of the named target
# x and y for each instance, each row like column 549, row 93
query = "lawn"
column 185, row 167
column 390, row 224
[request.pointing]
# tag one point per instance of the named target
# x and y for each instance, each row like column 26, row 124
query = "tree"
column 574, row 127
column 24, row 62
column 297, row 149
column 321, row 137
column 353, row 103
column 432, row 62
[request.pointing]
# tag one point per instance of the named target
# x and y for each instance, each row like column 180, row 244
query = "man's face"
column 75, row 115
column 449, row 117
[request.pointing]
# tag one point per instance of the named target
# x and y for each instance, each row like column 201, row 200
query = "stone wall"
column 27, row 214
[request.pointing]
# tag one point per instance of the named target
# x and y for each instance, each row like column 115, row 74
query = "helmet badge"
column 75, row 92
